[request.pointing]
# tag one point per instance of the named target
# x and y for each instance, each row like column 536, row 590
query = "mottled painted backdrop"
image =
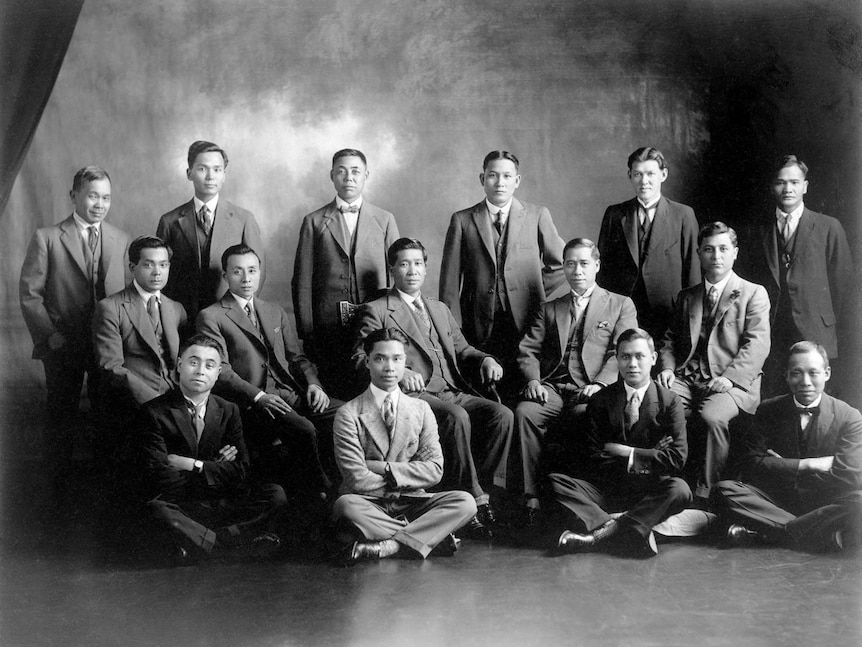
column 426, row 88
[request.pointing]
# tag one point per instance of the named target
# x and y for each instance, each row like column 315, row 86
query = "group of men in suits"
column 514, row 368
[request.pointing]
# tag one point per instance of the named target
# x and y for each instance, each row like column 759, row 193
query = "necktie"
column 250, row 312
column 197, row 420
column 92, row 238
column 205, row 218
column 632, row 412
column 420, row 310
column 498, row 221
column 712, row 298
column 785, row 227
column 352, row 208
column 153, row 311
column 389, row 413
column 806, row 415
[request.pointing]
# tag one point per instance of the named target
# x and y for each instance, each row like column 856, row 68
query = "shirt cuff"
column 258, row 396
column 631, row 462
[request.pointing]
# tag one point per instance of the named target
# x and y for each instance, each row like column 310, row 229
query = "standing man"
column 635, row 449
column 387, row 449
column 68, row 268
column 802, row 478
column 502, row 258
column 649, row 244
column 567, row 355
column 438, row 357
column 200, row 230
column 713, row 352
column 340, row 263
column 803, row 259
column 264, row 371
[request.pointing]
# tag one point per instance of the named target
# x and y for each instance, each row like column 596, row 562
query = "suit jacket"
column 543, row 346
column 390, row 311
column 127, row 351
column 55, row 289
column 468, row 270
column 819, row 279
column 837, row 433
column 244, row 369
column 738, row 343
column 165, row 427
column 363, row 446
column 671, row 262
column 320, row 273
column 661, row 414
column 178, row 228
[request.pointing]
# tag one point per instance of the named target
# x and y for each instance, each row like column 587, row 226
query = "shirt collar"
column 796, row 214
column 341, row 203
column 243, row 302
column 651, row 205
column 586, row 295
column 816, row 402
column 407, row 298
column 146, row 295
column 212, row 204
column 641, row 391
column 719, row 287
column 201, row 406
column 493, row 208
column 380, row 395
column 83, row 225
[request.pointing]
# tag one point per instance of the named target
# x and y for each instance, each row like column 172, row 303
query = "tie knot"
column 350, row 208
column 635, row 399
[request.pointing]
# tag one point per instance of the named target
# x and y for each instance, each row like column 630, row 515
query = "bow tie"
column 808, row 410
column 349, row 209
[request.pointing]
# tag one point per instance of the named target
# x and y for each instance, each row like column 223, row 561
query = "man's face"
column 788, row 187
column 646, row 177
column 807, row 375
column 408, row 272
column 207, row 175
column 500, row 179
column 580, row 268
column 93, row 200
column 717, row 255
column 242, row 275
column 151, row 270
column 198, row 368
column 635, row 361
column 385, row 364
column 348, row 175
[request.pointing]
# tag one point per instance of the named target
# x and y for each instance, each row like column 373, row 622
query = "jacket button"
column 490, row 290
column 344, row 291
column 343, row 259
column 344, row 276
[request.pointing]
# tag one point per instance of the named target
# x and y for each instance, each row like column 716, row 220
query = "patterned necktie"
column 498, row 221
column 632, row 412
column 352, row 208
column 785, row 227
column 712, row 298
column 420, row 310
column 153, row 311
column 205, row 218
column 92, row 238
column 250, row 312
column 389, row 413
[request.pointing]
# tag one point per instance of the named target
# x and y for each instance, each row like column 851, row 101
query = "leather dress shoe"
column 531, row 517
column 482, row 523
column 447, row 547
column 363, row 551
column 486, row 515
column 739, row 535
column 572, row 542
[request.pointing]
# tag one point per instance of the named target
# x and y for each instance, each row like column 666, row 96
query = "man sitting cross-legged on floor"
column 387, row 451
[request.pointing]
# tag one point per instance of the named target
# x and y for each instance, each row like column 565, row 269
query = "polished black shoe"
column 486, row 515
column 572, row 542
column 475, row 529
column 448, row 547
column 647, row 546
column 739, row 535
column 363, row 551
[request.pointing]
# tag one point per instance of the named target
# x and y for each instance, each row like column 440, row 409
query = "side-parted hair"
column 349, row 152
column 802, row 347
column 583, row 242
column 500, row 155
column 646, row 154
column 240, row 249
column 205, row 147
column 633, row 334
column 714, row 229
column 200, row 339
column 383, row 334
column 400, row 245
column 791, row 160
column 147, row 242
column 88, row 174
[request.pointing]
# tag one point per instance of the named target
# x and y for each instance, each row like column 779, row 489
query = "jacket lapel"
column 404, row 421
column 72, row 241
column 137, row 313
column 647, row 414
column 595, row 310
column 695, row 316
column 239, row 317
column 332, row 222
column 515, row 223
column 183, row 420
column 803, row 238
column 109, row 244
column 630, row 229
column 727, row 298
column 660, row 229
column 562, row 308
column 482, row 220
column 401, row 315
column 616, row 414
column 187, row 223
column 223, row 234
column 769, row 237
column 372, row 420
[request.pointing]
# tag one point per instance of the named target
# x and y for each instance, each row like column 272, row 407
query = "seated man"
column 802, row 476
column 196, row 464
column 635, row 448
column 713, row 353
column 436, row 357
column 387, row 449
column 265, row 373
column 566, row 356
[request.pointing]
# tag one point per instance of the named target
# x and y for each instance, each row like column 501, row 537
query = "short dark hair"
column 633, row 334
column 200, row 147
column 400, row 245
column 239, row 249
column 200, row 339
column 147, row 242
column 714, row 229
column 802, row 347
column 500, row 155
column 349, row 152
column 583, row 242
column 645, row 154
column 88, row 174
column 791, row 160
column 383, row 334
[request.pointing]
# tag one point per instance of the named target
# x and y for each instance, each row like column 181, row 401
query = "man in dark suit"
column 438, row 357
column 340, row 262
column 713, row 352
column 501, row 259
column 195, row 464
column 200, row 230
column 803, row 259
column 264, row 371
column 634, row 451
column 566, row 356
column 649, row 244
column 801, row 482
column 388, row 451
column 136, row 330
column 68, row 268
